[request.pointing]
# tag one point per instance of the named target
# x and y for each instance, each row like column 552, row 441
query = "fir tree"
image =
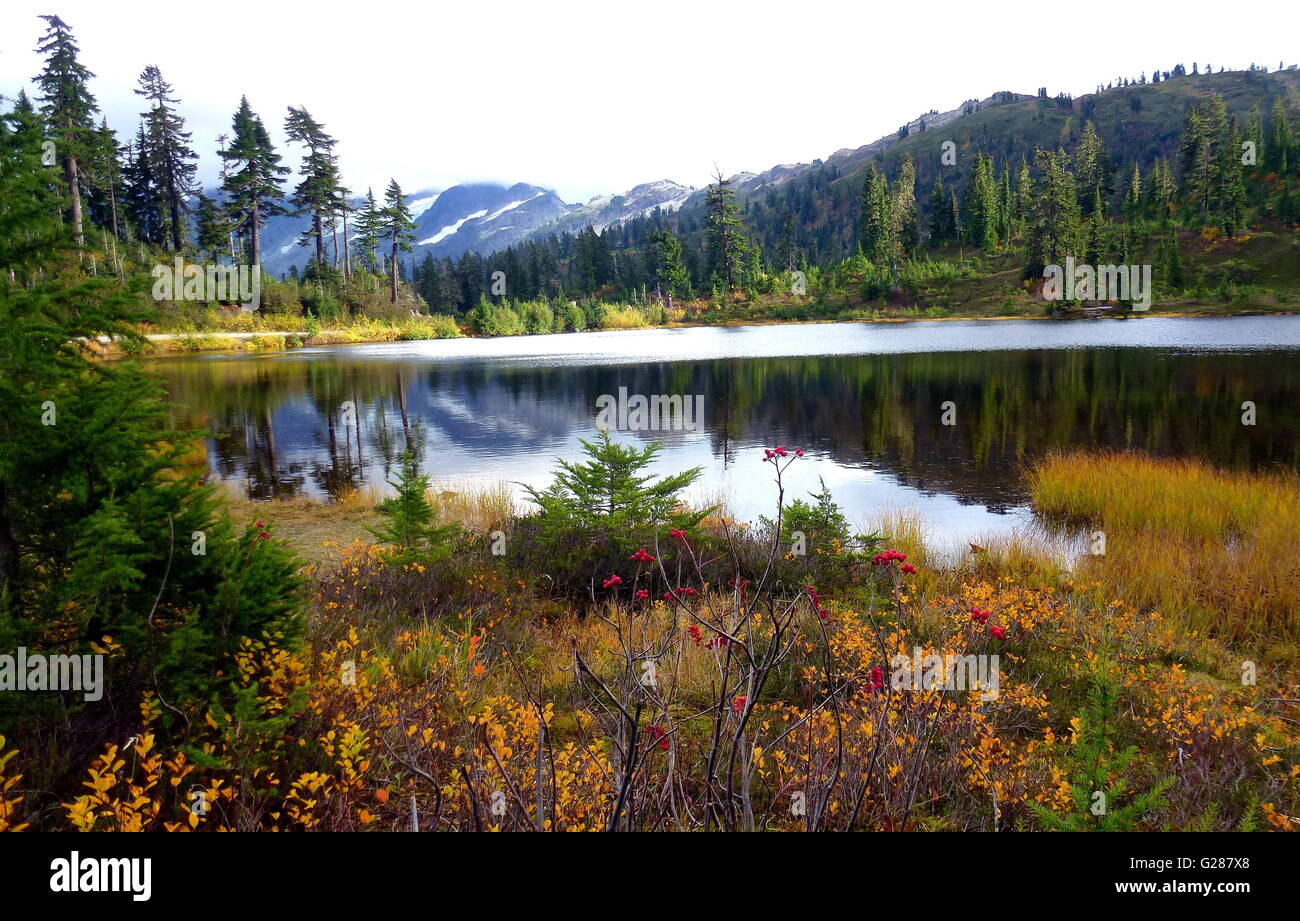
column 397, row 227
column 171, row 161
column 671, row 277
column 725, row 245
column 409, row 522
column 319, row 192
column 213, row 229
column 1055, row 228
column 68, row 109
column 1092, row 172
column 903, row 210
column 253, row 185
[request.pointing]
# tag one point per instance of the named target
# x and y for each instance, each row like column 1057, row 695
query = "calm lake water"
column 864, row 401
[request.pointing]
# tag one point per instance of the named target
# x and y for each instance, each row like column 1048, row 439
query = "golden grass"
column 478, row 506
column 1217, row 548
column 315, row 528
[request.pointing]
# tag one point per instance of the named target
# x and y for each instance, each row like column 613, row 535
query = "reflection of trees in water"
column 279, row 424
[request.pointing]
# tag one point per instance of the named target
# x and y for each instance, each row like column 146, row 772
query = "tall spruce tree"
column 171, row 160
column 723, row 229
column 69, row 110
column 253, row 183
column 1054, row 231
column 1092, row 171
column 671, row 277
column 397, row 229
column 319, row 192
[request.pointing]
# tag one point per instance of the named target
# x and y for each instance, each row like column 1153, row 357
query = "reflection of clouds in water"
column 864, row 409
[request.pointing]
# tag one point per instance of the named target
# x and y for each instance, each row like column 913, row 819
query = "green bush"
column 489, row 319
column 597, row 513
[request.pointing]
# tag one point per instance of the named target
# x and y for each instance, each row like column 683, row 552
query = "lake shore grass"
column 1215, row 549
column 271, row 334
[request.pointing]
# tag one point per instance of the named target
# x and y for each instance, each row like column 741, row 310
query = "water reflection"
column 321, row 422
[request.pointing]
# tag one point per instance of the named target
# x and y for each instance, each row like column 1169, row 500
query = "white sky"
column 595, row 97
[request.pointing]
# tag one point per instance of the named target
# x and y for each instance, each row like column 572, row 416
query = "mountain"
column 484, row 217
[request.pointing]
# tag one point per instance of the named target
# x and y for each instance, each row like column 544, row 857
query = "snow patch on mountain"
column 451, row 229
column 510, row 207
column 420, row 205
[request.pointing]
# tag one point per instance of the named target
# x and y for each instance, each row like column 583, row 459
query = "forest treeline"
column 923, row 208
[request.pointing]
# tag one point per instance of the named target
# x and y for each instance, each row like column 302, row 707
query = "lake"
column 941, row 417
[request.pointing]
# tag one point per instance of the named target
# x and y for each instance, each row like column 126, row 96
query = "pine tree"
column 104, row 177
column 1024, row 199
column 671, row 277
column 318, row 193
column 1231, row 191
column 253, row 186
column 369, row 227
column 397, row 229
column 877, row 225
column 141, row 197
column 938, row 213
column 723, row 229
column 1162, row 189
column 1133, row 195
column 68, row 109
column 171, row 160
column 1200, row 148
column 902, row 208
column 1280, row 140
column 1092, row 171
column 980, row 214
column 1055, row 229
column 213, row 229
column 1171, row 262
column 409, row 519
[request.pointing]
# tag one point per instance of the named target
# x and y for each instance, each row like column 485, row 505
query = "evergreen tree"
column 319, row 191
column 105, row 179
column 212, row 226
column 397, row 228
column 1024, row 200
column 253, row 186
column 671, row 278
column 1200, row 149
column 980, row 216
column 1162, row 189
column 1231, row 183
column 1055, row 228
column 1280, row 140
column 939, row 217
column 142, row 199
column 1133, row 195
column 369, row 227
column 68, row 109
column 723, row 232
column 903, row 210
column 171, row 161
column 98, row 507
column 1092, row 171
column 877, row 228
column 409, row 519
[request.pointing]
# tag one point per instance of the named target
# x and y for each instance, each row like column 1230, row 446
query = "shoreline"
column 220, row 341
